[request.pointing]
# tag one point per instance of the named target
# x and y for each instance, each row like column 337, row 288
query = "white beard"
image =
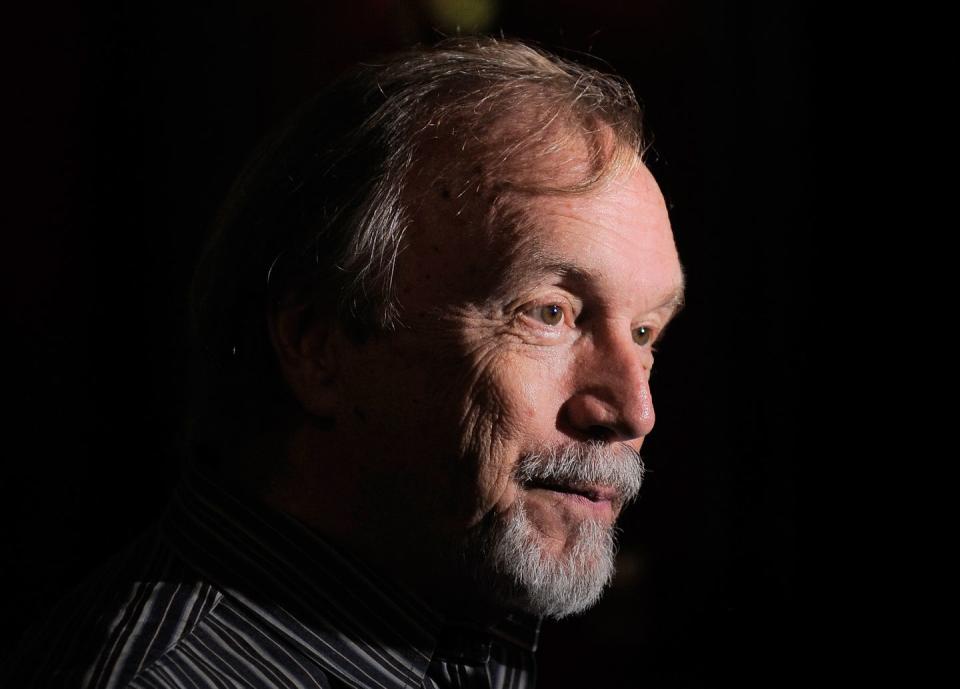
column 507, row 554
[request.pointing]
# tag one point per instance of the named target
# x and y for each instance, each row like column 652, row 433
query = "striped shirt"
column 223, row 592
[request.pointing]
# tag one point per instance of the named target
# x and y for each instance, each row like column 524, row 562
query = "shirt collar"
column 356, row 625
column 520, row 629
column 470, row 642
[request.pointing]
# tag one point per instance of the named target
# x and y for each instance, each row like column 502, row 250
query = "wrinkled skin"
column 515, row 340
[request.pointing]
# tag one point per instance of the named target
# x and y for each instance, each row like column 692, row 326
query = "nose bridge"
column 616, row 384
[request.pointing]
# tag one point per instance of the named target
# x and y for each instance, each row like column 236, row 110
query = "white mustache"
column 591, row 463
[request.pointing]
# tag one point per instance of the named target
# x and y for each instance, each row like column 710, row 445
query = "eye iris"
column 641, row 335
column 551, row 314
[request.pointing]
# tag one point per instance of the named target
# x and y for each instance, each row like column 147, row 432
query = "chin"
column 515, row 566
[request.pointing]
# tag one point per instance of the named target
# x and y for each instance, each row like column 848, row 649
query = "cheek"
column 512, row 409
column 539, row 387
column 400, row 426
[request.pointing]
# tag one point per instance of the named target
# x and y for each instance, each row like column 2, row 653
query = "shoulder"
column 123, row 617
column 146, row 620
column 233, row 646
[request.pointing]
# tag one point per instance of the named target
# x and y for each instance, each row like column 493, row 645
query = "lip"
column 592, row 491
column 597, row 497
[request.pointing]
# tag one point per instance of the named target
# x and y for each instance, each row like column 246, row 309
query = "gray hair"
column 505, row 553
column 320, row 212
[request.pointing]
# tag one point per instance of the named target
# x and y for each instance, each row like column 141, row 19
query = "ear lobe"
column 302, row 342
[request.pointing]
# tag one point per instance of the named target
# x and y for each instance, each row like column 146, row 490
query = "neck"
column 366, row 516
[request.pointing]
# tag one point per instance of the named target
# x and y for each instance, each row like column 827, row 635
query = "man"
column 429, row 309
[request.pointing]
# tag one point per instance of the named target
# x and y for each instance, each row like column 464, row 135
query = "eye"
column 643, row 335
column 551, row 314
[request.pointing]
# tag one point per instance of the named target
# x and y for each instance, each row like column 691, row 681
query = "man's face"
column 506, row 419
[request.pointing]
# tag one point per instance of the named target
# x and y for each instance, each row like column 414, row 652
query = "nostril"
column 598, row 432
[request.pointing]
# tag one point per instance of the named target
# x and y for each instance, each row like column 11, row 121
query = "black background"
column 125, row 126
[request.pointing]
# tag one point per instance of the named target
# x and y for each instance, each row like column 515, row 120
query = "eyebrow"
column 540, row 263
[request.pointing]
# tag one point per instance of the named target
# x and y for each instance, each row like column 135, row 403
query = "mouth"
column 593, row 494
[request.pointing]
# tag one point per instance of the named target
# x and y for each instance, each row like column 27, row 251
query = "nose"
column 611, row 400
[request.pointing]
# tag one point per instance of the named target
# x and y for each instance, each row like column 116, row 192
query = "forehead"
column 618, row 235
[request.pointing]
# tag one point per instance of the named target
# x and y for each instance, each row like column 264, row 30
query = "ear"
column 302, row 340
